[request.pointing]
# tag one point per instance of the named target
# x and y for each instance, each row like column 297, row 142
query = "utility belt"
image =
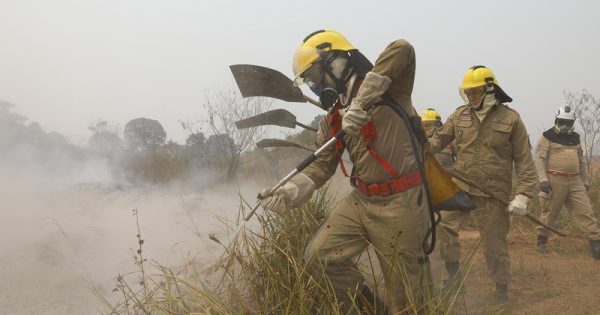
column 390, row 187
column 560, row 174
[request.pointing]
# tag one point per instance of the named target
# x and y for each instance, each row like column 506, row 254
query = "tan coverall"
column 395, row 225
column 486, row 151
column 565, row 169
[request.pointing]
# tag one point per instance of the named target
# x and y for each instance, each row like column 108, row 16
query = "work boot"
column 501, row 294
column 368, row 303
column 595, row 248
column 454, row 280
column 542, row 244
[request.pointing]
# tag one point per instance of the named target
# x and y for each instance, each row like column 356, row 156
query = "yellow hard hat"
column 430, row 114
column 319, row 41
column 478, row 76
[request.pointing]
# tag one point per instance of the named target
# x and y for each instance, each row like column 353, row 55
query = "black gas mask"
column 564, row 126
column 328, row 77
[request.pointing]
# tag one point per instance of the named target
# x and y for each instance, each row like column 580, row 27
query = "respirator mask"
column 328, row 78
column 564, row 126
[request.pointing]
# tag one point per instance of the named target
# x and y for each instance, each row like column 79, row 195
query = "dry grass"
column 261, row 273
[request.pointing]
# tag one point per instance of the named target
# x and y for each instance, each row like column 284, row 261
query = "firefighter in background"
column 490, row 138
column 564, row 180
column 432, row 121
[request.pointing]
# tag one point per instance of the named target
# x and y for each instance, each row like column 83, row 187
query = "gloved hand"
column 294, row 193
column 587, row 187
column 518, row 205
column 545, row 186
column 371, row 89
column 354, row 119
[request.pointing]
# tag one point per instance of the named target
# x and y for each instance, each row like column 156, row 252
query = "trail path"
column 565, row 281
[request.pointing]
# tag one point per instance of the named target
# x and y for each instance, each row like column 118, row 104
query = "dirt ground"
column 564, row 281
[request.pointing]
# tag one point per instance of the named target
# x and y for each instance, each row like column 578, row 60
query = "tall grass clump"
column 262, row 272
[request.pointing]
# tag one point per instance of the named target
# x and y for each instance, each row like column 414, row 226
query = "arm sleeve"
column 326, row 163
column 583, row 171
column 541, row 156
column 527, row 179
column 395, row 60
column 442, row 136
column 398, row 62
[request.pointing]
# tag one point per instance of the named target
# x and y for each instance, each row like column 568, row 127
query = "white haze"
column 57, row 224
column 67, row 64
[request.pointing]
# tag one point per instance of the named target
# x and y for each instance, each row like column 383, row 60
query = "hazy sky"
column 67, row 64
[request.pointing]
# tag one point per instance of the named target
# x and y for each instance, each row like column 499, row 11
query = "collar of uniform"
column 468, row 111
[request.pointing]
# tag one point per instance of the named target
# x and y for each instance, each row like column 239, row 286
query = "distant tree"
column 224, row 109
column 195, row 145
column 173, row 148
column 587, row 111
column 44, row 148
column 35, row 133
column 195, row 139
column 13, row 126
column 143, row 134
column 7, row 117
column 104, row 141
column 220, row 146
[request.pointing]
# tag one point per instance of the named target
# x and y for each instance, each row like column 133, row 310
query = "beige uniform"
column 565, row 169
column 395, row 225
column 445, row 157
column 486, row 150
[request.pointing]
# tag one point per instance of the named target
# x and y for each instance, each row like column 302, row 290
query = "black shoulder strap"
column 417, row 135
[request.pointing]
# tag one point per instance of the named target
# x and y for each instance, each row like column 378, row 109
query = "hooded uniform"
column 559, row 160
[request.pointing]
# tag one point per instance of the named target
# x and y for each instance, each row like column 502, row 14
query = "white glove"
column 518, row 205
column 354, row 119
column 294, row 193
column 372, row 87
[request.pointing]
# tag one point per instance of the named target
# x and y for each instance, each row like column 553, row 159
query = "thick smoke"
column 68, row 224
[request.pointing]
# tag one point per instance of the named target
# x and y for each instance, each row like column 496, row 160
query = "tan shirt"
column 486, row 150
column 560, row 158
column 392, row 142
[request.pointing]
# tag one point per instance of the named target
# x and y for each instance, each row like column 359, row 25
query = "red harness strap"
column 335, row 121
column 368, row 133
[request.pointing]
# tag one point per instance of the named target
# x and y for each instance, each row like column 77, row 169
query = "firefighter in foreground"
column 387, row 208
column 564, row 180
column 489, row 137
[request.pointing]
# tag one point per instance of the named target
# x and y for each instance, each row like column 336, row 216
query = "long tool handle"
column 506, row 203
column 304, row 164
column 306, row 127
column 314, row 102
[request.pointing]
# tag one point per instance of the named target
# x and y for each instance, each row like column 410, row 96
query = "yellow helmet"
column 478, row 76
column 313, row 44
column 430, row 114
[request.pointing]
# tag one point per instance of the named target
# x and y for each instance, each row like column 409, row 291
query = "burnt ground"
column 564, row 281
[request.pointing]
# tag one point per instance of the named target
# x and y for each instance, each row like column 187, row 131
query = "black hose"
column 416, row 133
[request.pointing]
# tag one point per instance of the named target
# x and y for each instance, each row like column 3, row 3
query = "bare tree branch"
column 587, row 111
column 224, row 109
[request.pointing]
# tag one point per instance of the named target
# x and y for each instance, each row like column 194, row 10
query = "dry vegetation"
column 263, row 273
